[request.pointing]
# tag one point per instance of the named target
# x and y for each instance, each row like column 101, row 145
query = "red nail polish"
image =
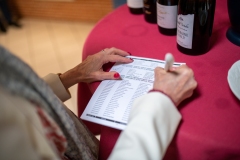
column 116, row 75
column 131, row 59
column 129, row 53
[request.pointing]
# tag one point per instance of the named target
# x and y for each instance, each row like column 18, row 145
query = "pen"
column 169, row 60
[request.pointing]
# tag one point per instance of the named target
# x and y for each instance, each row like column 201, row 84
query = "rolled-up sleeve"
column 55, row 83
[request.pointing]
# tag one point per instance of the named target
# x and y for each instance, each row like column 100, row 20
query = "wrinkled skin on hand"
column 91, row 69
column 178, row 83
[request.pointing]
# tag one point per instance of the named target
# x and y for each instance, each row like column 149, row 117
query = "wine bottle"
column 150, row 14
column 194, row 25
column 167, row 16
column 135, row 6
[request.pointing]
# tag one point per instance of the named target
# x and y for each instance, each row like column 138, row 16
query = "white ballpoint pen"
column 169, row 60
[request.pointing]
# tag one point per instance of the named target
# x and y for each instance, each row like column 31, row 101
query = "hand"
column 178, row 83
column 91, row 70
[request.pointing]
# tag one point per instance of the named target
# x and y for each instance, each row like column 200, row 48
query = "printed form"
column 111, row 103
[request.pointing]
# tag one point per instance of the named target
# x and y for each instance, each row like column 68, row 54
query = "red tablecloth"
column 210, row 127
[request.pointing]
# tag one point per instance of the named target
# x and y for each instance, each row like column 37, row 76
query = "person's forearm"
column 151, row 127
column 69, row 78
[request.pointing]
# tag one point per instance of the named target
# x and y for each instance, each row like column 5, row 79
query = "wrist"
column 68, row 79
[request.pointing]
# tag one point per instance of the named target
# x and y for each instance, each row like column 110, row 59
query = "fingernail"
column 131, row 59
column 116, row 75
column 129, row 53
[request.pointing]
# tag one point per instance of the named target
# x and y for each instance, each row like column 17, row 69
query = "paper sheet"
column 111, row 103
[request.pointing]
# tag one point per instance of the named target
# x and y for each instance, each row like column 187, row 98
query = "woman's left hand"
column 91, row 69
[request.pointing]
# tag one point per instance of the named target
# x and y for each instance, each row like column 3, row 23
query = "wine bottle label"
column 135, row 3
column 185, row 30
column 167, row 16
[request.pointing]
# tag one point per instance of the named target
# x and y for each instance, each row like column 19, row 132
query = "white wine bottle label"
column 135, row 3
column 167, row 16
column 185, row 30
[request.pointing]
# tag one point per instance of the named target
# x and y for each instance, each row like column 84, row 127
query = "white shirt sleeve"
column 56, row 85
column 152, row 124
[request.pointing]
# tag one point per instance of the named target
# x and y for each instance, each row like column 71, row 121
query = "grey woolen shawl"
column 19, row 79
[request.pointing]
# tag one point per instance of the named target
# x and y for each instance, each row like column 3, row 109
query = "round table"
column 210, row 125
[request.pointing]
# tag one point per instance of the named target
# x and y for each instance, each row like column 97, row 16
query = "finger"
column 184, row 66
column 173, row 68
column 159, row 69
column 104, row 50
column 116, row 51
column 184, row 70
column 194, row 83
column 158, row 72
column 117, row 58
column 110, row 75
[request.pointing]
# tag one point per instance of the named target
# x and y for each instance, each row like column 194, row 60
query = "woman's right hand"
column 178, row 83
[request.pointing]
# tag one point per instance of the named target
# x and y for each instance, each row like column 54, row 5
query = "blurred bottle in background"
column 135, row 6
column 194, row 25
column 167, row 16
column 150, row 13
column 7, row 16
column 117, row 3
column 233, row 32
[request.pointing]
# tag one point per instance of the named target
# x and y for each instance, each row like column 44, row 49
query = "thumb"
column 110, row 75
